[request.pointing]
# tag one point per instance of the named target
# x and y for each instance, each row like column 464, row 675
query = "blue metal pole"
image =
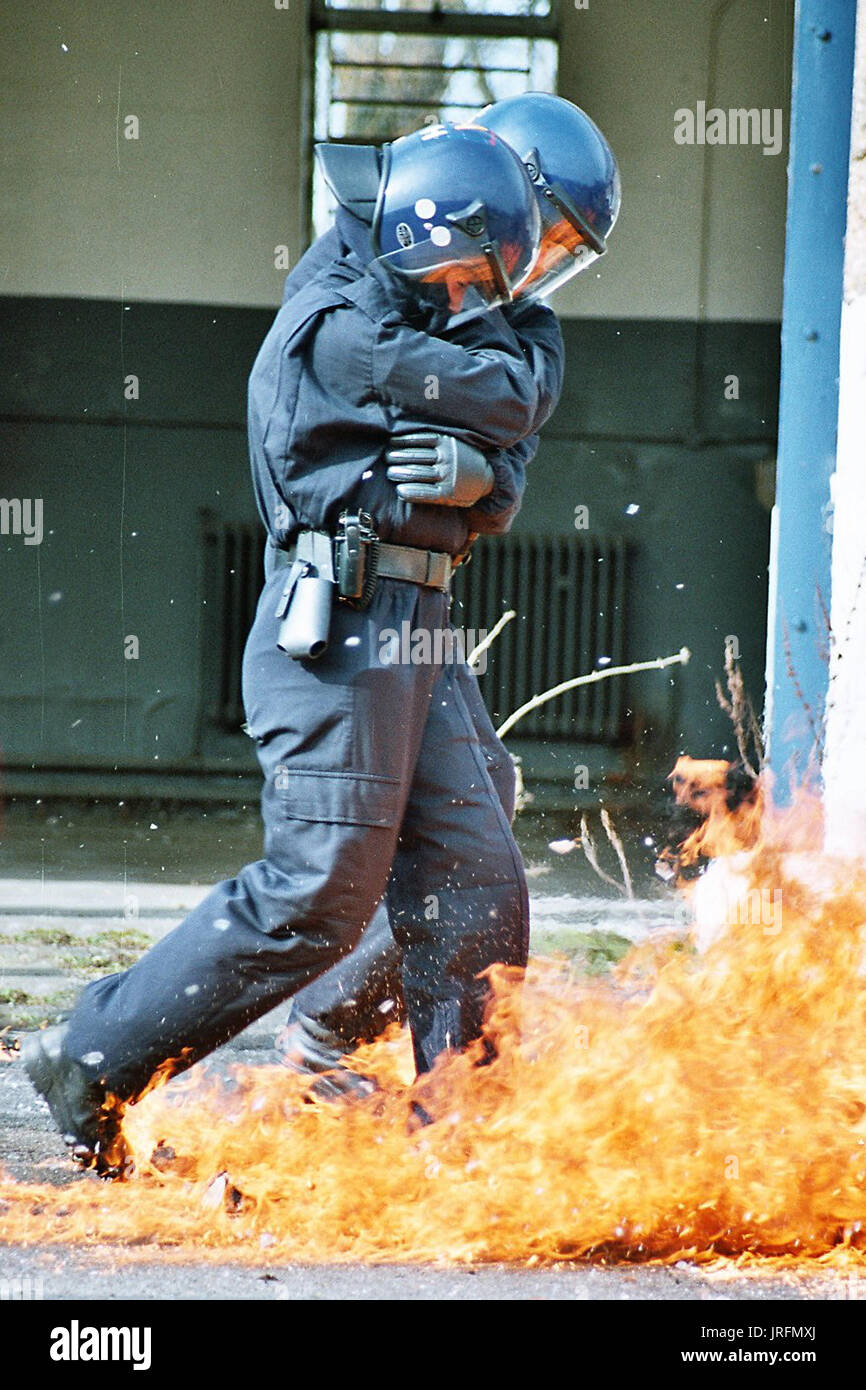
column 814, row 252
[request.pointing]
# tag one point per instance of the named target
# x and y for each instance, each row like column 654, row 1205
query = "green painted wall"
column 643, row 420
column 155, row 257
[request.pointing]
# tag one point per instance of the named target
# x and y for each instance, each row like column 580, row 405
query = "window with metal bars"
column 384, row 70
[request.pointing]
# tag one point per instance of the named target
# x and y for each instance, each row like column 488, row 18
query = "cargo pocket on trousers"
column 340, row 798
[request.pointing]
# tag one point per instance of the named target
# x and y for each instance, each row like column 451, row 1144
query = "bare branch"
column 620, row 852
column 491, row 637
column 589, row 849
column 681, row 659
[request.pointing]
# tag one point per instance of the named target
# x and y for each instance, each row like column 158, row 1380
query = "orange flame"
column 732, row 817
column 693, row 1105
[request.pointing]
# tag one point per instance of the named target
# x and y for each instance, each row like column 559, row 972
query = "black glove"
column 438, row 469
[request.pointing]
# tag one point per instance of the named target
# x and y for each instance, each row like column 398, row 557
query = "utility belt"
column 350, row 562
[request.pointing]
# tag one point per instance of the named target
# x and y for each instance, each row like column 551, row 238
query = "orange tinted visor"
column 475, row 271
column 475, row 281
column 562, row 253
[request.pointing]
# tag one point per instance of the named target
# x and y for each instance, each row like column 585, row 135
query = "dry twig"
column 620, row 852
column 589, row 849
column 741, row 712
column 491, row 637
column 680, row 659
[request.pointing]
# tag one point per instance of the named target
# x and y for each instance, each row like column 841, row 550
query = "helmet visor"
column 567, row 247
column 468, row 278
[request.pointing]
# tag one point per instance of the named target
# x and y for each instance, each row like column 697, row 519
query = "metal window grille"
column 381, row 72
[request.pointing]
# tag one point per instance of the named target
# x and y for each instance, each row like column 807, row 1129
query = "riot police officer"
column 374, row 777
column 577, row 184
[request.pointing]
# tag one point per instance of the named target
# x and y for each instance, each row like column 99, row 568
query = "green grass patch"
column 590, row 952
column 123, row 938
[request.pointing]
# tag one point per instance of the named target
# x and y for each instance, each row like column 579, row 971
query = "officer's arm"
column 537, row 330
column 486, row 394
column 540, row 336
column 540, row 339
column 494, row 514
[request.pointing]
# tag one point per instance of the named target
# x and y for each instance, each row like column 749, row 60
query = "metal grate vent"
column 232, row 574
column 569, row 594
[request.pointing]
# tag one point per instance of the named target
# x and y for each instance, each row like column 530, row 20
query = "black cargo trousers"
column 360, row 995
column 375, row 783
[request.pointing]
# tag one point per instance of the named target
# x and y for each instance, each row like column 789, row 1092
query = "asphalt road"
column 30, row 1150
column 53, row 931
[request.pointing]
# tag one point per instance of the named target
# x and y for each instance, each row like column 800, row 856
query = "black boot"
column 88, row 1117
column 311, row 1050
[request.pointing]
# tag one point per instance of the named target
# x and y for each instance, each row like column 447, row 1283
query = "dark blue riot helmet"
column 451, row 210
column 575, row 177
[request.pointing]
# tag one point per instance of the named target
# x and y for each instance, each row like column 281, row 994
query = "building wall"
column 845, row 761
column 155, row 258
column 191, row 210
column 701, row 234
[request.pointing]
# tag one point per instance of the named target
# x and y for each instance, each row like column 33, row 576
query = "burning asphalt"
column 690, row 1126
column 95, row 1269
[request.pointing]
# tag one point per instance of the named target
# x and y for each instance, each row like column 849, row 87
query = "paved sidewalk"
column 55, row 934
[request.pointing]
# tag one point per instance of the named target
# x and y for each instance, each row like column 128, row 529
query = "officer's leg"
column 253, row 940
column 354, row 1000
column 457, row 895
column 499, row 762
column 337, row 742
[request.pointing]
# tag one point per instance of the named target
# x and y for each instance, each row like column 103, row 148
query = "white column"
column 845, row 758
